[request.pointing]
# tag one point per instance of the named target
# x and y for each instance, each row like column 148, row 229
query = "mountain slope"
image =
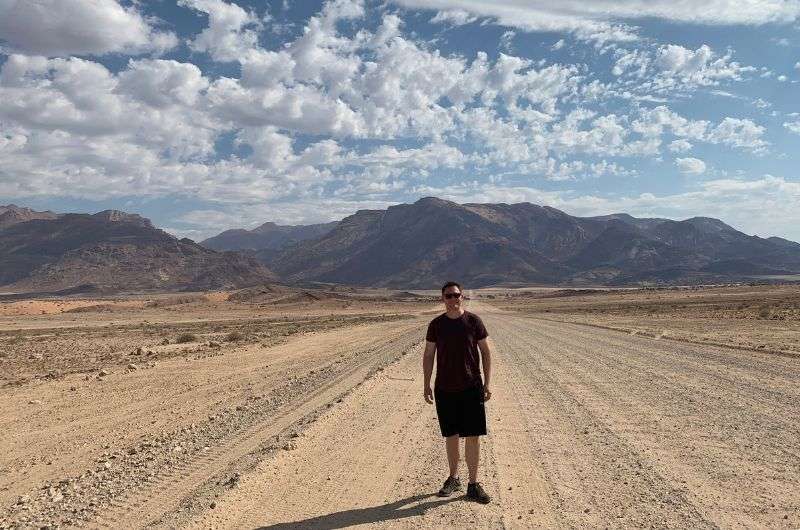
column 268, row 236
column 422, row 244
column 13, row 214
column 113, row 250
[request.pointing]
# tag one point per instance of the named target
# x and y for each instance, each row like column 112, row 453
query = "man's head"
column 451, row 296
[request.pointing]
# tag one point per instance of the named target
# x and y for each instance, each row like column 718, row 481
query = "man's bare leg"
column 451, row 443
column 472, row 451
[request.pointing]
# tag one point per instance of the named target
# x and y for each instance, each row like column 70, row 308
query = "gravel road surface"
column 588, row 428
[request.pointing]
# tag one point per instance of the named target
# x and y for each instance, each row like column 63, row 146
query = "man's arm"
column 486, row 361
column 427, row 369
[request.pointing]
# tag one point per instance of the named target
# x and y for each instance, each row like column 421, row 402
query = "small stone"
column 107, row 465
column 289, row 446
column 73, row 388
column 212, row 505
column 103, row 372
column 35, row 402
column 132, row 366
column 586, row 510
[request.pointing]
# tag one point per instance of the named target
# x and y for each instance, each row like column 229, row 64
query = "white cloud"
column 231, row 31
column 690, row 166
column 73, row 127
column 606, row 21
column 535, row 16
column 741, row 133
column 455, row 17
column 507, row 41
column 680, row 146
column 161, row 83
column 78, row 27
column 793, row 126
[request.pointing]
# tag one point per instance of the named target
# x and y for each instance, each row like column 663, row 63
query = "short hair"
column 451, row 284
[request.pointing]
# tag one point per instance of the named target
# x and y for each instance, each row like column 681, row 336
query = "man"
column 454, row 339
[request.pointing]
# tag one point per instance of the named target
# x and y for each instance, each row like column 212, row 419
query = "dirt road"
column 588, row 428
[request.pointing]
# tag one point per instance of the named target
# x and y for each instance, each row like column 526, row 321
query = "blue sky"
column 208, row 114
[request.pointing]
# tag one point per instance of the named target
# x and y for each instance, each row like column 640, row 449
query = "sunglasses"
column 452, row 295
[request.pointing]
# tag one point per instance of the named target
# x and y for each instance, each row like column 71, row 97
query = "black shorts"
column 461, row 413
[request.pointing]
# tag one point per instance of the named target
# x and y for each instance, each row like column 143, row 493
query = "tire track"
column 165, row 493
column 597, row 478
column 719, row 448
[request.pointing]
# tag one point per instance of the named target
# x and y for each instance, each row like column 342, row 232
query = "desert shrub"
column 176, row 300
column 234, row 336
column 185, row 337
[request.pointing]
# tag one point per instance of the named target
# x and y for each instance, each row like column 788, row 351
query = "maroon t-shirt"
column 457, row 360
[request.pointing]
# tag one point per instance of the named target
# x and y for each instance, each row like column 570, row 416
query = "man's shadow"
column 374, row 514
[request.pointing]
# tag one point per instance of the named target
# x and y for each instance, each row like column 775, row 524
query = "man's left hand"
column 487, row 394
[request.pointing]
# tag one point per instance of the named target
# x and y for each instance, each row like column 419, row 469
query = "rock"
column 103, row 372
column 212, row 505
column 289, row 446
column 107, row 465
column 35, row 402
column 132, row 366
column 73, row 388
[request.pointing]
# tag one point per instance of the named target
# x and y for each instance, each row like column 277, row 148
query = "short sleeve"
column 430, row 336
column 480, row 329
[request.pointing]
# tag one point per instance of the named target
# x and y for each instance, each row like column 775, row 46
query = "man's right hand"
column 429, row 395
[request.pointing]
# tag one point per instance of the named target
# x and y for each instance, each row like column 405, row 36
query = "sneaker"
column 475, row 492
column 450, row 485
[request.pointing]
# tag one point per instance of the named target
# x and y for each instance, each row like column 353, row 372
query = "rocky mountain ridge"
column 415, row 245
column 114, row 251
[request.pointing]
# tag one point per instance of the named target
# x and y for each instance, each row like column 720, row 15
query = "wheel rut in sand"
column 168, row 490
column 587, row 428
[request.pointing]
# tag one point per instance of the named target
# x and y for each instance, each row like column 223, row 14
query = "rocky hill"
column 113, row 251
column 422, row 244
column 13, row 214
column 269, row 237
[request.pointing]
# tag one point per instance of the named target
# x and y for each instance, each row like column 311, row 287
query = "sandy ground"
column 754, row 317
column 588, row 428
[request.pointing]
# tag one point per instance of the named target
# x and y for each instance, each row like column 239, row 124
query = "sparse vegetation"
column 234, row 336
column 176, row 300
column 185, row 337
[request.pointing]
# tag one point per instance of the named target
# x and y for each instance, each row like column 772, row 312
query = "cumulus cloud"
column 231, row 31
column 78, row 27
column 680, row 146
column 690, row 166
column 793, row 126
column 741, row 133
column 673, row 68
column 361, row 115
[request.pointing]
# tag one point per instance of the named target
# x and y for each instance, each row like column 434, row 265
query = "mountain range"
column 417, row 245
column 111, row 251
column 421, row 244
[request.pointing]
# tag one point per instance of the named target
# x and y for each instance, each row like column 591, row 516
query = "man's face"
column 452, row 298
